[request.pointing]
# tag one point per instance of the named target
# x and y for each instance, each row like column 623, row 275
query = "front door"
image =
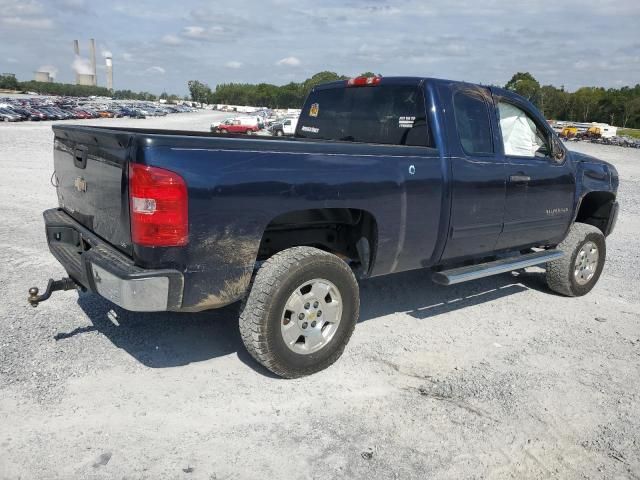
column 477, row 174
column 540, row 189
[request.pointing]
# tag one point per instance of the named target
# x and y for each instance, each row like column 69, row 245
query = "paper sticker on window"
column 406, row 122
column 310, row 129
column 314, row 110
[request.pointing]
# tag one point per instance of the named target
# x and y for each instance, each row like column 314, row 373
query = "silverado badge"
column 80, row 184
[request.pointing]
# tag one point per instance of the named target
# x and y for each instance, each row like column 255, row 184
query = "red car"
column 238, row 125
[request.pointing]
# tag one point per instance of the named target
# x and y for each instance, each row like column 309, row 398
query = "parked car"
column 284, row 127
column 7, row 115
column 385, row 175
column 247, row 125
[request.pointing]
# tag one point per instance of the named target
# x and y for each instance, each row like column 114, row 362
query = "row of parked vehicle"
column 627, row 142
column 65, row 108
column 265, row 122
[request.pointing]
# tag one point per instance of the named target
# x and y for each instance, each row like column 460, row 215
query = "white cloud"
column 21, row 7
column 170, row 39
column 197, row 32
column 82, row 66
column 127, row 57
column 289, row 61
column 233, row 64
column 33, row 23
column 194, row 32
column 156, row 69
column 53, row 71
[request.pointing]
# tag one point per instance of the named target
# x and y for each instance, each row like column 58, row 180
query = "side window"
column 473, row 123
column 287, row 122
column 521, row 136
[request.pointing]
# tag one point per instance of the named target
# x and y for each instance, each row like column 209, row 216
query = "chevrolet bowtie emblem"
column 80, row 184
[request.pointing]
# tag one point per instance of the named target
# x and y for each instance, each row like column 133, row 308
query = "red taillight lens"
column 363, row 81
column 159, row 207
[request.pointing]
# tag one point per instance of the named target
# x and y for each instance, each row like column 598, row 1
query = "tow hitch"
column 52, row 286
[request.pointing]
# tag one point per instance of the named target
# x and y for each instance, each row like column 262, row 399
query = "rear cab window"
column 383, row 114
column 473, row 122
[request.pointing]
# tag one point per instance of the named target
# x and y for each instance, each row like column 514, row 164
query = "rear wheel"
column 223, row 130
column 279, row 133
column 301, row 311
column 578, row 271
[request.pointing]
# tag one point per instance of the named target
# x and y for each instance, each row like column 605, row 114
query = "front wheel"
column 301, row 311
column 578, row 271
column 249, row 132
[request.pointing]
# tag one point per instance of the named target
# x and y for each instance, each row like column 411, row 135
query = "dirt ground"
column 497, row 378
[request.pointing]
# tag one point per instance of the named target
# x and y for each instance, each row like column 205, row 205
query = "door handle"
column 519, row 178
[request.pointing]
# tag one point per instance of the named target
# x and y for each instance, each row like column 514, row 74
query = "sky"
column 159, row 45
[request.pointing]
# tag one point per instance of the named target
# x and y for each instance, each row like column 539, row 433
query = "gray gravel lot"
column 498, row 378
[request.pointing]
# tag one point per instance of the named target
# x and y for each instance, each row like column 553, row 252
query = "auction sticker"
column 314, row 110
column 406, row 122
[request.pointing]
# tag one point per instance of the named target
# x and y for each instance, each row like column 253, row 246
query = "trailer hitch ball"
column 33, row 296
column 53, row 286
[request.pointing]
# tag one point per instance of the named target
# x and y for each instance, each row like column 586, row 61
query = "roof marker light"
column 363, row 81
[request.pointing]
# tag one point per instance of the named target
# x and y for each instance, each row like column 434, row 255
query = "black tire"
column 561, row 276
column 223, row 130
column 249, row 132
column 279, row 133
column 262, row 310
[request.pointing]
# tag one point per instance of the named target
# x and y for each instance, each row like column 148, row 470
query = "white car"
column 285, row 127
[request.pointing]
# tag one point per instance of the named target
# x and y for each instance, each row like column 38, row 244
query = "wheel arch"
column 349, row 233
column 596, row 208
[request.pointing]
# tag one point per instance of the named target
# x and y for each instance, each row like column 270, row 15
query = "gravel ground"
column 497, row 378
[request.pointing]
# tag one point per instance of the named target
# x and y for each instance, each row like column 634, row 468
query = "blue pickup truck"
column 383, row 175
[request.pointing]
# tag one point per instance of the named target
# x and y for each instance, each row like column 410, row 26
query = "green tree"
column 200, row 92
column 526, row 85
column 9, row 82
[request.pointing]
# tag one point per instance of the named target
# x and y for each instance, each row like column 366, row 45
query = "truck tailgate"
column 91, row 173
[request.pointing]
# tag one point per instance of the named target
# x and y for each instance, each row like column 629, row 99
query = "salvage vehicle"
column 384, row 175
column 285, row 127
column 246, row 125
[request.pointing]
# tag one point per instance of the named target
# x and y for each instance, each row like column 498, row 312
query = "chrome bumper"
column 99, row 267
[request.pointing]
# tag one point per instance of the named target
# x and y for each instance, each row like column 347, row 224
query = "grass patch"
column 629, row 132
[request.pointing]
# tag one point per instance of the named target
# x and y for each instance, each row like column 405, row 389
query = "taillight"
column 363, row 81
column 159, row 207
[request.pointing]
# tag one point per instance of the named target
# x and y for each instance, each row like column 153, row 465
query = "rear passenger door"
column 540, row 188
column 477, row 172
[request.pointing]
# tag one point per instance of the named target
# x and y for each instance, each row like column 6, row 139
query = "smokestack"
column 109, row 63
column 92, row 57
column 76, row 51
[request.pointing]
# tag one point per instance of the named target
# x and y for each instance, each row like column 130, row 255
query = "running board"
column 473, row 272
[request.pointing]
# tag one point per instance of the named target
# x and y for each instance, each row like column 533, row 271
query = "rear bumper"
column 100, row 268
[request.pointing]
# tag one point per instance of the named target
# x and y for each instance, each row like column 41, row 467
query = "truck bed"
column 239, row 185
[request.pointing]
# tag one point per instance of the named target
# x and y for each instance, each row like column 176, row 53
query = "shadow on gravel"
column 166, row 339
column 415, row 294
column 161, row 340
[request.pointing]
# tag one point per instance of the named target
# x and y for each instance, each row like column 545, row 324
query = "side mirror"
column 558, row 152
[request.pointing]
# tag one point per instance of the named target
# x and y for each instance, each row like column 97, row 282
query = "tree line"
column 616, row 106
column 291, row 95
column 10, row 82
